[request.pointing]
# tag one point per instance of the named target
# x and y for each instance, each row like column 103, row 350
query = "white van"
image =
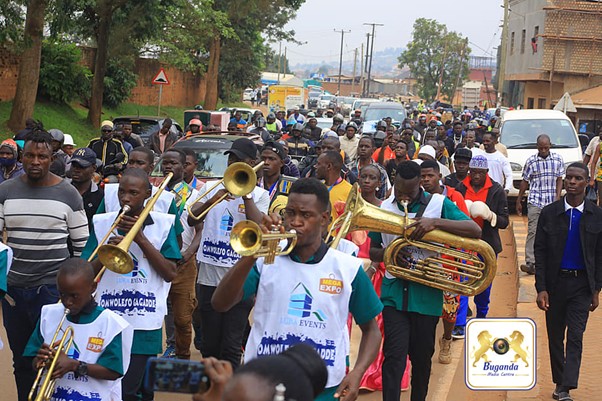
column 519, row 132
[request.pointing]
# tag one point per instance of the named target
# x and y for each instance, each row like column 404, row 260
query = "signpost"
column 160, row 79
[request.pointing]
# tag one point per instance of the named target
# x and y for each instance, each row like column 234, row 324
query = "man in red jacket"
column 431, row 182
column 489, row 210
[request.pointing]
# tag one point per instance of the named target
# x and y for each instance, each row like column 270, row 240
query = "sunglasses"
column 107, row 130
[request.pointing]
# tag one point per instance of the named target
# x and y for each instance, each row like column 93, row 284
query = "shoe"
column 458, row 333
column 528, row 268
column 445, row 351
column 564, row 396
column 556, row 392
column 170, row 352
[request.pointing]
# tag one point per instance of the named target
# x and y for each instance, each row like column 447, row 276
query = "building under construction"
column 552, row 47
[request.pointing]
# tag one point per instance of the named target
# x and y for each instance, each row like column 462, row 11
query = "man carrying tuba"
column 411, row 310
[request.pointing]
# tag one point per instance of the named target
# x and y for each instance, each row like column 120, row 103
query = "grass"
column 71, row 119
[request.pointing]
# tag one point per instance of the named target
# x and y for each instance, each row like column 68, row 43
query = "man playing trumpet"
column 140, row 296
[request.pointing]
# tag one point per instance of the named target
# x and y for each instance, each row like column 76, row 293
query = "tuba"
column 43, row 386
column 473, row 260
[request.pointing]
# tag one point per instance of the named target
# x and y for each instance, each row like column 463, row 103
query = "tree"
column 436, row 57
column 29, row 65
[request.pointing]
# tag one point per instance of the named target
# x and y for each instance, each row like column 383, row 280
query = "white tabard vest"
column 215, row 246
column 140, row 296
column 432, row 210
column 112, row 200
column 307, row 303
column 90, row 341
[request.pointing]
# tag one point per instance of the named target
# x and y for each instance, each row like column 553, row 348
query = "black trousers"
column 407, row 333
column 568, row 312
column 132, row 383
column 223, row 333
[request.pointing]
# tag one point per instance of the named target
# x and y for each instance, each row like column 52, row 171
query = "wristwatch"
column 248, row 196
column 82, row 370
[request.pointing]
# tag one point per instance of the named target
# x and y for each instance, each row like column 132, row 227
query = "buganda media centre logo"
column 500, row 354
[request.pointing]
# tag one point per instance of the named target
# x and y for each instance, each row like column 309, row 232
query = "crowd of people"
column 452, row 176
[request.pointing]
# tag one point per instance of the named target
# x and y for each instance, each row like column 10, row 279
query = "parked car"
column 377, row 111
column 519, row 132
column 312, row 100
column 209, row 149
column 324, row 100
column 145, row 126
column 246, row 95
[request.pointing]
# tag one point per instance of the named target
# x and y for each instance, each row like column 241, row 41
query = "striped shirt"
column 39, row 222
column 541, row 174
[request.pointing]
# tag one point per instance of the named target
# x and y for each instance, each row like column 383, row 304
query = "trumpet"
column 239, row 180
column 43, row 386
column 472, row 259
column 116, row 257
column 247, row 239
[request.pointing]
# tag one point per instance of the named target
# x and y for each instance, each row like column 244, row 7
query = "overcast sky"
column 316, row 20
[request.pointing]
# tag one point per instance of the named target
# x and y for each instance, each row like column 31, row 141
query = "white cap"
column 68, row 140
column 427, row 150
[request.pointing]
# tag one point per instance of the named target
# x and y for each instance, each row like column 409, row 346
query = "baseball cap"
column 243, row 148
column 106, row 123
column 85, row 157
column 463, row 153
column 196, row 121
column 68, row 140
column 274, row 147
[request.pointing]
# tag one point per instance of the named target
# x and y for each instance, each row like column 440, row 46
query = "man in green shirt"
column 411, row 310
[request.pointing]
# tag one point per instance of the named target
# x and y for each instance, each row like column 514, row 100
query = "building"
column 554, row 46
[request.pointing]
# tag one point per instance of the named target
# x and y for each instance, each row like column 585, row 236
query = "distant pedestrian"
column 568, row 267
column 542, row 174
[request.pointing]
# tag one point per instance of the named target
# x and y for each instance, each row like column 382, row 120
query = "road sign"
column 161, row 78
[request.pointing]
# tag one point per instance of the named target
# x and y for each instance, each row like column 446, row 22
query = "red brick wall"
column 185, row 89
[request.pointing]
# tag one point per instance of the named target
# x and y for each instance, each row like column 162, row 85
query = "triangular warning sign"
column 161, row 78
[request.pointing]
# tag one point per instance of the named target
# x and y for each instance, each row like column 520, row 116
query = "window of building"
column 536, row 31
column 512, row 43
column 541, row 103
column 530, row 103
column 523, row 38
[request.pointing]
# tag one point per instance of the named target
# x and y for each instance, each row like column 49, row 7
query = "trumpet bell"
column 246, row 238
column 116, row 259
column 240, row 179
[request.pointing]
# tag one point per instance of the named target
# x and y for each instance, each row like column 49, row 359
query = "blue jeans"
column 20, row 321
column 481, row 301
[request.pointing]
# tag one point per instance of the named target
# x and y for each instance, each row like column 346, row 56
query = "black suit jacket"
column 498, row 204
column 550, row 240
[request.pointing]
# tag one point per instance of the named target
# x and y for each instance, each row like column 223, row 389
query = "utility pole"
column 284, row 62
column 354, row 70
column 459, row 70
column 374, row 25
column 343, row 32
column 501, row 70
column 365, row 69
column 279, row 60
column 362, row 69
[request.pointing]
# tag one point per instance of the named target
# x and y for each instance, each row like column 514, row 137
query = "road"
column 447, row 381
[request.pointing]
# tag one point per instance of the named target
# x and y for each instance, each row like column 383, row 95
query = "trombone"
column 43, row 389
column 116, row 257
column 239, row 180
column 247, row 239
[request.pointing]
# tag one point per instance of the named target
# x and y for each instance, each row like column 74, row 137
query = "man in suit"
column 568, row 274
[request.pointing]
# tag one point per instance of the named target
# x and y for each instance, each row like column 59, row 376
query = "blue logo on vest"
column 137, row 275
column 226, row 223
column 300, row 303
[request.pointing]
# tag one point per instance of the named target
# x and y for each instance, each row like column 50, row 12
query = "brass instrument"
column 472, row 259
column 247, row 239
column 43, row 386
column 116, row 257
column 239, row 180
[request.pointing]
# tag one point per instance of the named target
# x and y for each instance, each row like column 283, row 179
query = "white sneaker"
column 445, row 351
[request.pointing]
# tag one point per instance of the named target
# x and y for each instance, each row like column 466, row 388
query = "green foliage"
column 12, row 21
column 62, row 77
column 432, row 49
column 119, row 82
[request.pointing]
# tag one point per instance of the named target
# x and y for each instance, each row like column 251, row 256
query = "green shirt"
column 112, row 356
column 408, row 296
